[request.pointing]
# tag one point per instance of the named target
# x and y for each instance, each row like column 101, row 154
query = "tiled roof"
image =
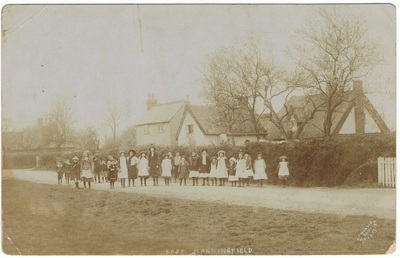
column 161, row 113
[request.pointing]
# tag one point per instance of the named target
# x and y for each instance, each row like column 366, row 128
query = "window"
column 189, row 129
column 161, row 128
column 146, row 129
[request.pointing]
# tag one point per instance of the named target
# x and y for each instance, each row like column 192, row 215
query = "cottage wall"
column 195, row 138
column 153, row 136
column 174, row 125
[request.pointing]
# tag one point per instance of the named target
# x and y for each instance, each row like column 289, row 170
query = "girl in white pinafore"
column 166, row 168
column 213, row 171
column 123, row 166
column 249, row 170
column 222, row 168
column 241, row 169
column 283, row 170
column 259, row 169
column 143, row 168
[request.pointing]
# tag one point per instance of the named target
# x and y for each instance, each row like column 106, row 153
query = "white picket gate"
column 387, row 172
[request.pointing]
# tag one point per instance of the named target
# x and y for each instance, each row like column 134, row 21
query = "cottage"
column 160, row 123
column 197, row 128
column 354, row 116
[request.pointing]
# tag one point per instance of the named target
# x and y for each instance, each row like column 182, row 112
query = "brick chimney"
column 359, row 107
column 151, row 101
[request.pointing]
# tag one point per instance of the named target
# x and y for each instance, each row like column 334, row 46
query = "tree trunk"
column 328, row 123
column 114, row 137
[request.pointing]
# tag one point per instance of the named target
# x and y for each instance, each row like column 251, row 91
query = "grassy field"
column 44, row 219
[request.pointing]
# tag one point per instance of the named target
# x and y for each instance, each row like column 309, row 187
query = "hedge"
column 342, row 161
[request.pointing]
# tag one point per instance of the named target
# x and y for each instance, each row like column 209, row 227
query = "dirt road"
column 372, row 202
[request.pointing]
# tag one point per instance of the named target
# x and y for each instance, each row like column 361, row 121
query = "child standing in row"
column 204, row 167
column 60, row 172
column 104, row 171
column 241, row 169
column 232, row 172
column 176, row 162
column 283, row 170
column 75, row 171
column 249, row 170
column 67, row 170
column 143, row 168
column 132, row 161
column 213, row 171
column 259, row 169
column 166, row 167
column 112, row 172
column 194, row 168
column 123, row 173
column 183, row 170
column 222, row 168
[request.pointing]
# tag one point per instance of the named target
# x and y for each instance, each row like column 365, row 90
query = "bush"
column 19, row 161
column 316, row 162
column 348, row 161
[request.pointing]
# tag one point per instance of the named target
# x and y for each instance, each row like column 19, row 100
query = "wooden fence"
column 387, row 172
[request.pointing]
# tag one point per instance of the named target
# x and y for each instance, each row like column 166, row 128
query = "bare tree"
column 333, row 53
column 228, row 112
column 87, row 138
column 232, row 84
column 112, row 116
column 60, row 122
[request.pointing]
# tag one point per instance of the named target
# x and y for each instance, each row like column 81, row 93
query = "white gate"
column 387, row 172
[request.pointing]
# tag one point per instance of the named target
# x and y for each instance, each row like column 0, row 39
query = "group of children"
column 218, row 170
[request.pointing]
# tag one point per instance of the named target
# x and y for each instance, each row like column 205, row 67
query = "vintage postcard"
column 198, row 129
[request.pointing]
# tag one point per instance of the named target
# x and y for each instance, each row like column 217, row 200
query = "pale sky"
column 90, row 53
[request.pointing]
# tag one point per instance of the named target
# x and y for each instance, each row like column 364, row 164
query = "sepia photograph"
column 198, row 129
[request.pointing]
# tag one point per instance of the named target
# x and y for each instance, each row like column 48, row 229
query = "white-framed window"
column 189, row 129
column 146, row 129
column 160, row 128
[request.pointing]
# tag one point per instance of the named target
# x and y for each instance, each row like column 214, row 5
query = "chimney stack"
column 359, row 107
column 151, row 101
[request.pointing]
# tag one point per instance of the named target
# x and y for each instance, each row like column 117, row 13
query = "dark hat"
column 203, row 150
column 246, row 152
column 152, row 147
column 166, row 154
column 133, row 151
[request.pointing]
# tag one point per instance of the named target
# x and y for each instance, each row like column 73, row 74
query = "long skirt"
column 204, row 175
column 250, row 173
column 75, row 176
column 213, row 173
column 87, row 173
column 166, row 173
column 193, row 174
column 232, row 178
column 153, row 171
column 132, row 172
column 260, row 175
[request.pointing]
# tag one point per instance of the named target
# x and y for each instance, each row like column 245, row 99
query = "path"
column 379, row 202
